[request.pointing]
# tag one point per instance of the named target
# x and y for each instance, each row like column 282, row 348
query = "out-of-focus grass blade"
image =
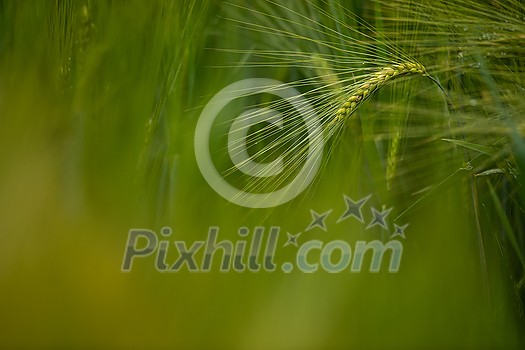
column 517, row 140
column 430, row 192
column 506, row 224
column 474, row 146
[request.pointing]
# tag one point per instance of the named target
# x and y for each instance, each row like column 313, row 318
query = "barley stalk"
column 376, row 82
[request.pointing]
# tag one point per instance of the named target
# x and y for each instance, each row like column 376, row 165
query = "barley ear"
column 375, row 82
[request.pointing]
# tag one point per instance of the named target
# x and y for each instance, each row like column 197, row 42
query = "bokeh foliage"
column 99, row 102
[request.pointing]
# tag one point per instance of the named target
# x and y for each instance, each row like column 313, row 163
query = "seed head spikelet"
column 376, row 81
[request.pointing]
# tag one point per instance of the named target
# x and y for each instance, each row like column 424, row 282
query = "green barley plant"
column 375, row 82
column 341, row 68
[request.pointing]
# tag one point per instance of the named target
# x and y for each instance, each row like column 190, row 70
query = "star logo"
column 318, row 220
column 292, row 239
column 400, row 230
column 353, row 208
column 379, row 218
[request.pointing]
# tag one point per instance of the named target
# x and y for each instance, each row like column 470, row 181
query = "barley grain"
column 376, row 81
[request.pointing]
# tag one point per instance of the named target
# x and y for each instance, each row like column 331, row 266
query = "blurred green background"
column 99, row 101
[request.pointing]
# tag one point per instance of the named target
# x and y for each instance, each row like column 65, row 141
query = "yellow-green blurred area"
column 99, row 101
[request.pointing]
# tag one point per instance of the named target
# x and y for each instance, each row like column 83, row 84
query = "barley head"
column 375, row 82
